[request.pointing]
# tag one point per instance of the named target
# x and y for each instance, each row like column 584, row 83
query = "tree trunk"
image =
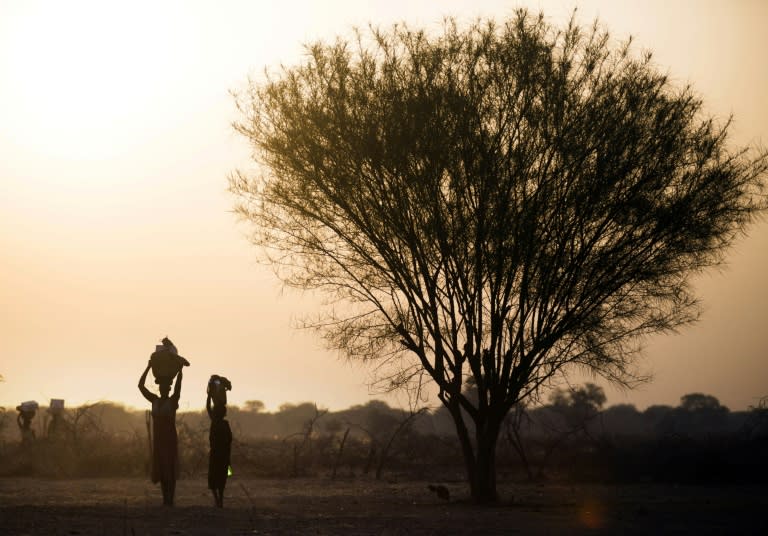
column 479, row 456
column 482, row 481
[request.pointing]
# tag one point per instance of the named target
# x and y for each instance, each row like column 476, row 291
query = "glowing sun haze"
column 116, row 227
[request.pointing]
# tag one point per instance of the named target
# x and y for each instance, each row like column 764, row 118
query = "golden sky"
column 116, row 227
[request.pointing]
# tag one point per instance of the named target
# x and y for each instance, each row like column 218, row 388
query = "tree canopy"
column 501, row 202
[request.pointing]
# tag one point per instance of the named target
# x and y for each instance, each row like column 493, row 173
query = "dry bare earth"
column 318, row 506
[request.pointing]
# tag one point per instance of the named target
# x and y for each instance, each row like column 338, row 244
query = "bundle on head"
column 169, row 345
column 218, row 387
column 219, row 382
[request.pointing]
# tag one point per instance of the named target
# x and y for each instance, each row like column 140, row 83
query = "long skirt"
column 165, row 458
column 220, row 438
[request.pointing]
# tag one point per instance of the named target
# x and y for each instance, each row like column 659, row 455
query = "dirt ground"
column 320, row 506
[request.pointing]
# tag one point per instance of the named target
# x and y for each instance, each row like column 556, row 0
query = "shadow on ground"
column 319, row 506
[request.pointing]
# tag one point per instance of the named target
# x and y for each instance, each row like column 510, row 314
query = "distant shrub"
column 701, row 443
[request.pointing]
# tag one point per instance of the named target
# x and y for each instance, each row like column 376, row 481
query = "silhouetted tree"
column 756, row 423
column 301, row 442
column 503, row 201
column 85, row 420
column 700, row 415
column 332, row 427
column 291, row 419
column 578, row 406
column 255, row 406
column 624, row 420
column 566, row 419
column 701, row 402
column 405, row 422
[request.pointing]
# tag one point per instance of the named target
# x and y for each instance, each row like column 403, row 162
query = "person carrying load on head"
column 166, row 363
column 219, row 437
column 27, row 411
column 57, row 425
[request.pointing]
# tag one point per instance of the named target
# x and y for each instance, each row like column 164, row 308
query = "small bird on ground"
column 441, row 491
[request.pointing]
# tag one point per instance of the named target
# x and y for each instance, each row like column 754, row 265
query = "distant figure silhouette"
column 57, row 425
column 165, row 458
column 220, row 437
column 441, row 491
column 27, row 411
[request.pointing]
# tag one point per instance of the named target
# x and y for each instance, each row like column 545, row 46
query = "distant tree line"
column 571, row 437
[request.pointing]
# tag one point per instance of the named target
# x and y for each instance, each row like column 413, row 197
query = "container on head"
column 29, row 405
column 28, row 409
column 218, row 387
column 166, row 362
column 56, row 406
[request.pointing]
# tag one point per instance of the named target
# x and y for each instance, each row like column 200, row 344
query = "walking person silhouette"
column 27, row 411
column 219, row 437
column 165, row 458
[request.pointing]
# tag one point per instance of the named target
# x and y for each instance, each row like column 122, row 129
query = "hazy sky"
column 116, row 227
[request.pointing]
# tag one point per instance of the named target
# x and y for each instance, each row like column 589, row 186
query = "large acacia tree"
column 499, row 203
